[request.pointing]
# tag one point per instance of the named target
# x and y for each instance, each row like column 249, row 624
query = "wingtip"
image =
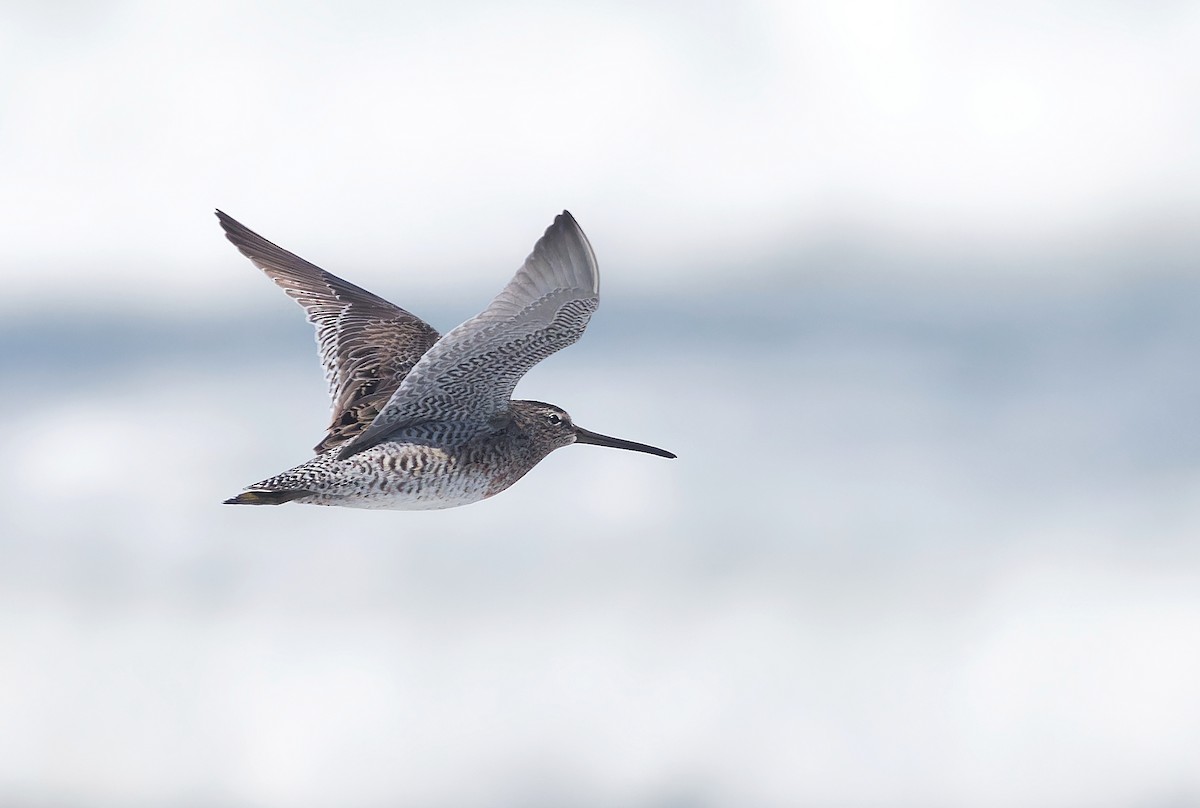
column 227, row 222
column 232, row 227
column 565, row 218
column 566, row 232
column 248, row 242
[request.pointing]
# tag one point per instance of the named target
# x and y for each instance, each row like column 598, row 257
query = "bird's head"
column 552, row 425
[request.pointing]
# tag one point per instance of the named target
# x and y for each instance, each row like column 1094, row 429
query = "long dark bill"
column 595, row 438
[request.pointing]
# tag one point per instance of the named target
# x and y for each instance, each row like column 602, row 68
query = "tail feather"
column 262, row 497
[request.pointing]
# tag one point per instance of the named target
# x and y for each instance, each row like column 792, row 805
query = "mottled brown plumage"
column 367, row 344
column 426, row 422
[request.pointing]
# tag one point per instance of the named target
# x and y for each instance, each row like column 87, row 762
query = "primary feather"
column 367, row 344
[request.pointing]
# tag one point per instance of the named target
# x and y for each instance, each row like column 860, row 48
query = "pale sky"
column 426, row 145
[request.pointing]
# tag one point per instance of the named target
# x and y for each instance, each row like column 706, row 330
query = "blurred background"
column 910, row 288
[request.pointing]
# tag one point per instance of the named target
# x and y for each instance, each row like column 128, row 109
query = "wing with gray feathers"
column 367, row 345
column 470, row 374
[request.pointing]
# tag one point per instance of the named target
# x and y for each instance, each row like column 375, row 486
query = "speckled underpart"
column 419, row 421
column 420, row 471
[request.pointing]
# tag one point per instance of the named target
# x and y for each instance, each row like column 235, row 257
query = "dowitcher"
column 422, row 421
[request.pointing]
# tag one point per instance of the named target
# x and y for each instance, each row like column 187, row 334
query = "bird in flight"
column 422, row 421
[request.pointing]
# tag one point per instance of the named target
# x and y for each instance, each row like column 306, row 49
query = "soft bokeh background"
column 911, row 288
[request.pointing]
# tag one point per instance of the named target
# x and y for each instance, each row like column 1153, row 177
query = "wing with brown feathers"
column 367, row 344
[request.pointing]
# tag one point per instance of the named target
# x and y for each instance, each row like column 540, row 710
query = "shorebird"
column 422, row 421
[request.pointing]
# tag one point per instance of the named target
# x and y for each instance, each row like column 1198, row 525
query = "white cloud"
column 445, row 136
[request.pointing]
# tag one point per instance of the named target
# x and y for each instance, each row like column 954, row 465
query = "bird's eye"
column 554, row 418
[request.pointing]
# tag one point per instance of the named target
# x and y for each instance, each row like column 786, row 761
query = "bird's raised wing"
column 367, row 345
column 470, row 374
